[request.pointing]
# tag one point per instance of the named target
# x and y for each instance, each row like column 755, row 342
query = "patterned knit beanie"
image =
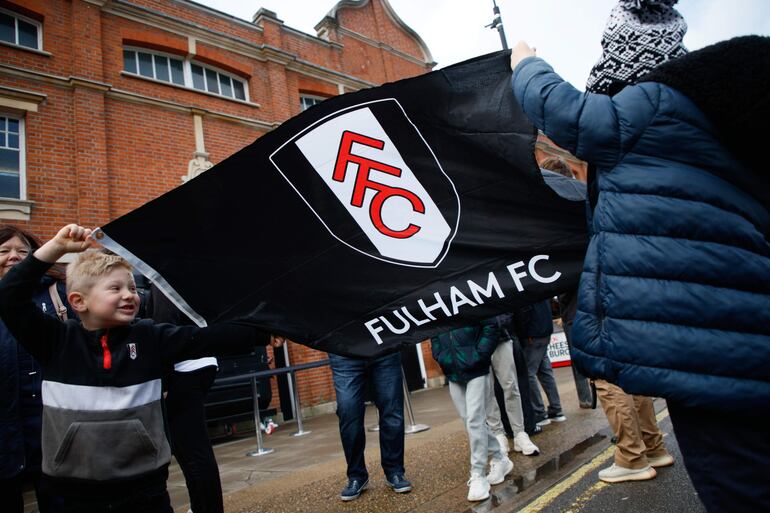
column 639, row 35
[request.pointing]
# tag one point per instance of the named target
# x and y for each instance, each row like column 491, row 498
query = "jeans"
column 470, row 401
column 539, row 369
column 384, row 378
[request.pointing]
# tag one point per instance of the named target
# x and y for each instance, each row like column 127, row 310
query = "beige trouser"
column 632, row 419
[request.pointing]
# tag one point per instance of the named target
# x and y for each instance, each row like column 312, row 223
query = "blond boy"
column 104, row 447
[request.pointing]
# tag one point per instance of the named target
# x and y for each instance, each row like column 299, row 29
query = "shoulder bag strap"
column 61, row 310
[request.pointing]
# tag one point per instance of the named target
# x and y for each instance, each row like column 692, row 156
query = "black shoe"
column 354, row 489
column 399, row 483
column 535, row 431
column 557, row 417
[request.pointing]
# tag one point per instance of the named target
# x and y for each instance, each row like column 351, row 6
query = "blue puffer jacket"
column 674, row 298
column 20, row 390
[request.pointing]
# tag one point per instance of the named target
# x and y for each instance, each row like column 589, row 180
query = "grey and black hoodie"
column 102, row 423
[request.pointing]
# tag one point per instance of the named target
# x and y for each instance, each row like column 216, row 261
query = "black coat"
column 20, row 390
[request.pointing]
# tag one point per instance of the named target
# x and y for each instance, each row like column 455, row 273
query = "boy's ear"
column 77, row 301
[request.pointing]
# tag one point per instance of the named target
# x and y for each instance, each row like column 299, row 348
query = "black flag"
column 375, row 219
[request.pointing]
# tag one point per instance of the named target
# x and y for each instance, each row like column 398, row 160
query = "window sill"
column 191, row 89
column 15, row 209
column 26, row 49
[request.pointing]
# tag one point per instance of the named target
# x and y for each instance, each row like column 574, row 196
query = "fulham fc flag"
column 374, row 219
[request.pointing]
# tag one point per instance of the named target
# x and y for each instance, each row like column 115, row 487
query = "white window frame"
column 154, row 53
column 22, row 155
column 221, row 72
column 310, row 97
column 187, row 73
column 25, row 19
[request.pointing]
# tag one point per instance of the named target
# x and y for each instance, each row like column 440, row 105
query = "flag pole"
column 497, row 23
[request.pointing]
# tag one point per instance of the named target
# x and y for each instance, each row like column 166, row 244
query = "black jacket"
column 20, row 391
column 534, row 321
column 102, row 422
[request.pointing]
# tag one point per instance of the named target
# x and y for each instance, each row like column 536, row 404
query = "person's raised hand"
column 277, row 340
column 70, row 239
column 520, row 52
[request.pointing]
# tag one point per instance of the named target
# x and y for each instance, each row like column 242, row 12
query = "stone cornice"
column 292, row 63
column 328, row 75
column 88, row 84
column 181, row 107
column 384, row 46
column 22, row 95
column 15, row 209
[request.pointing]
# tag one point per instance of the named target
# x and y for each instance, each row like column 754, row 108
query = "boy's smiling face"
column 111, row 301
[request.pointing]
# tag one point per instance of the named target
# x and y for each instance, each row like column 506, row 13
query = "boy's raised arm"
column 36, row 331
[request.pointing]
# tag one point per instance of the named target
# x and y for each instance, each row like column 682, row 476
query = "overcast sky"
column 566, row 33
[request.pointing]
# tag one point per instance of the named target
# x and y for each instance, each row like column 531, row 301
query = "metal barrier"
column 409, row 428
column 297, row 408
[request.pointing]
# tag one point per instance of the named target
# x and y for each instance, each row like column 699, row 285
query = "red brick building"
column 106, row 104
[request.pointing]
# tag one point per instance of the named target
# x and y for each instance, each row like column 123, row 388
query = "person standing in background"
column 21, row 406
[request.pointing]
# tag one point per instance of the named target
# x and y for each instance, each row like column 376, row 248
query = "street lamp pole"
column 497, row 23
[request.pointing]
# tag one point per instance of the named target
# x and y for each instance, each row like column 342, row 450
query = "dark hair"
column 558, row 165
column 8, row 232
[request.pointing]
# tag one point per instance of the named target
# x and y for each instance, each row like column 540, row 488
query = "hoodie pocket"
column 105, row 450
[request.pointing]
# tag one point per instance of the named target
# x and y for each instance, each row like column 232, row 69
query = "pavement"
column 582, row 492
column 306, row 473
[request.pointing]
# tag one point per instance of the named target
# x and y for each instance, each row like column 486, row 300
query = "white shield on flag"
column 355, row 154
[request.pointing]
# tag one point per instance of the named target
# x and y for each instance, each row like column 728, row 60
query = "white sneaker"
column 503, row 441
column 479, row 487
column 498, row 469
column 617, row 474
column 543, row 422
column 522, row 444
column 661, row 461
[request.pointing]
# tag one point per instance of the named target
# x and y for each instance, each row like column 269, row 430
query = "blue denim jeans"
column 384, row 379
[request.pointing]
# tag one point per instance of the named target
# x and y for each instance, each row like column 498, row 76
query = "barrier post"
column 376, row 426
column 261, row 451
column 297, row 406
column 411, row 427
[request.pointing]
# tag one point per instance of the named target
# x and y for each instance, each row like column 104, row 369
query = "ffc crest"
column 132, row 350
column 369, row 164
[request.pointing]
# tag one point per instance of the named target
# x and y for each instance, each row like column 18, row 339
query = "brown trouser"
column 632, row 419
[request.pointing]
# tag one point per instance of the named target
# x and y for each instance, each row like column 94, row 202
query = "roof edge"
column 356, row 4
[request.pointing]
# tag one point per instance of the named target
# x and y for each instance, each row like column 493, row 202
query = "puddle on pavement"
column 504, row 493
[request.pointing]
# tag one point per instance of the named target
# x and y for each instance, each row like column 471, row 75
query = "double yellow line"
column 562, row 486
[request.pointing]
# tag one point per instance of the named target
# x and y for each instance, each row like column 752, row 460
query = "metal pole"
column 376, row 426
column 297, row 407
column 497, row 23
column 411, row 427
column 261, row 451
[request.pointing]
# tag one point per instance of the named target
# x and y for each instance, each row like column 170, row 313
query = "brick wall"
column 103, row 142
